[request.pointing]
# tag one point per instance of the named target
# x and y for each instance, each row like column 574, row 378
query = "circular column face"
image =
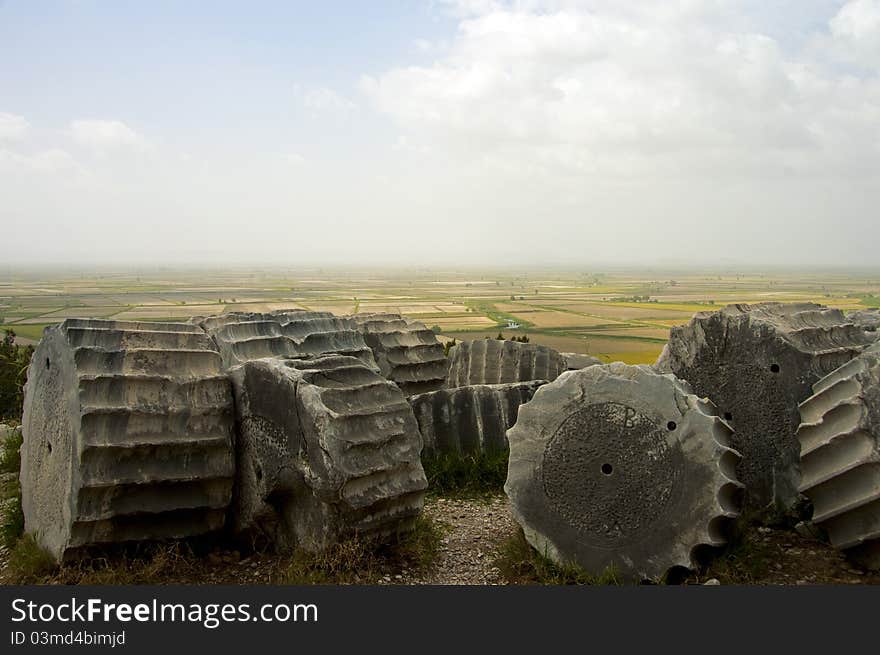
column 619, row 466
column 613, row 472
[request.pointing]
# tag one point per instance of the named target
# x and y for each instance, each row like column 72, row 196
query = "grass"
column 466, row 474
column 27, row 563
column 521, row 564
column 156, row 563
column 10, row 455
column 352, row 561
column 356, row 561
column 11, row 517
column 12, row 520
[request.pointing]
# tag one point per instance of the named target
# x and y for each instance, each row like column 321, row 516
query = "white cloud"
column 41, row 163
column 323, row 100
column 106, row 135
column 12, row 127
column 858, row 20
column 610, row 88
column 856, row 31
column 293, row 158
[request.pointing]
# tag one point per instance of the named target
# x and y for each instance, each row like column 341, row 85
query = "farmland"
column 619, row 315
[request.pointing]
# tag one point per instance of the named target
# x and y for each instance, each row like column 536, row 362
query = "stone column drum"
column 619, row 466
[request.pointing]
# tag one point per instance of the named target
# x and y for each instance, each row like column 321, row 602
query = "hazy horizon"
column 471, row 134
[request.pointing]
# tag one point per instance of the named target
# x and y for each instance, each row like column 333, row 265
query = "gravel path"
column 474, row 530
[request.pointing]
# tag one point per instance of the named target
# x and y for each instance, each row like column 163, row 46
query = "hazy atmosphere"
column 472, row 132
column 434, row 293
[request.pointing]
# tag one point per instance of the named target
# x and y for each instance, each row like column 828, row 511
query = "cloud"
column 41, row 163
column 12, row 127
column 609, row 89
column 106, row 135
column 856, row 30
column 323, row 100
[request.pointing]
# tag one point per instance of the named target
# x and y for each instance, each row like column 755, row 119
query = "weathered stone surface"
column 327, row 448
column 406, row 351
column 576, row 361
column 127, row 435
column 492, row 361
column 617, row 465
column 839, row 442
column 245, row 336
column 470, row 419
column 867, row 319
column 663, row 365
column 756, row 363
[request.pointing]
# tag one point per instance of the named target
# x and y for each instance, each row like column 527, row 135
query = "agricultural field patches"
column 647, row 356
column 262, row 306
column 36, row 320
column 82, row 312
column 623, row 312
column 338, row 308
column 397, row 308
column 549, row 320
column 163, row 312
column 648, row 333
column 462, row 323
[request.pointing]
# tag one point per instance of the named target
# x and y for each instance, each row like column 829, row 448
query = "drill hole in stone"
column 47, row 363
column 774, row 368
column 671, row 426
column 49, row 446
column 728, row 416
column 607, row 469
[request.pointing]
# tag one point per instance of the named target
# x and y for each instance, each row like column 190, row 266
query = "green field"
column 616, row 316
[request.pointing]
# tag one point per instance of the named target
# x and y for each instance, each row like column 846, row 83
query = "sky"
column 440, row 132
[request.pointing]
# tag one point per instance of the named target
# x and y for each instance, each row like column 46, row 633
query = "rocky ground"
column 473, row 530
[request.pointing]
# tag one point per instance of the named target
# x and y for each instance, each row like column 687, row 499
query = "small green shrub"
column 10, row 454
column 27, row 562
column 11, row 521
column 466, row 474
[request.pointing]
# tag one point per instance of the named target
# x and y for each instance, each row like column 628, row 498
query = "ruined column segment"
column 618, row 466
column 839, row 442
column 756, row 363
column 867, row 319
column 407, row 352
column 492, row 361
column 472, row 419
column 127, row 435
column 245, row 336
column 577, row 361
column 327, row 448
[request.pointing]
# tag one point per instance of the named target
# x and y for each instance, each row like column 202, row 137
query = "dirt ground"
column 473, row 531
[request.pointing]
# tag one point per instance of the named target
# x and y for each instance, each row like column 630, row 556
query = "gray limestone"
column 245, row 336
column 839, row 440
column 127, row 432
column 618, row 466
column 576, row 361
column 756, row 363
column 327, row 448
column 406, row 352
column 867, row 319
column 493, row 361
column 472, row 419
